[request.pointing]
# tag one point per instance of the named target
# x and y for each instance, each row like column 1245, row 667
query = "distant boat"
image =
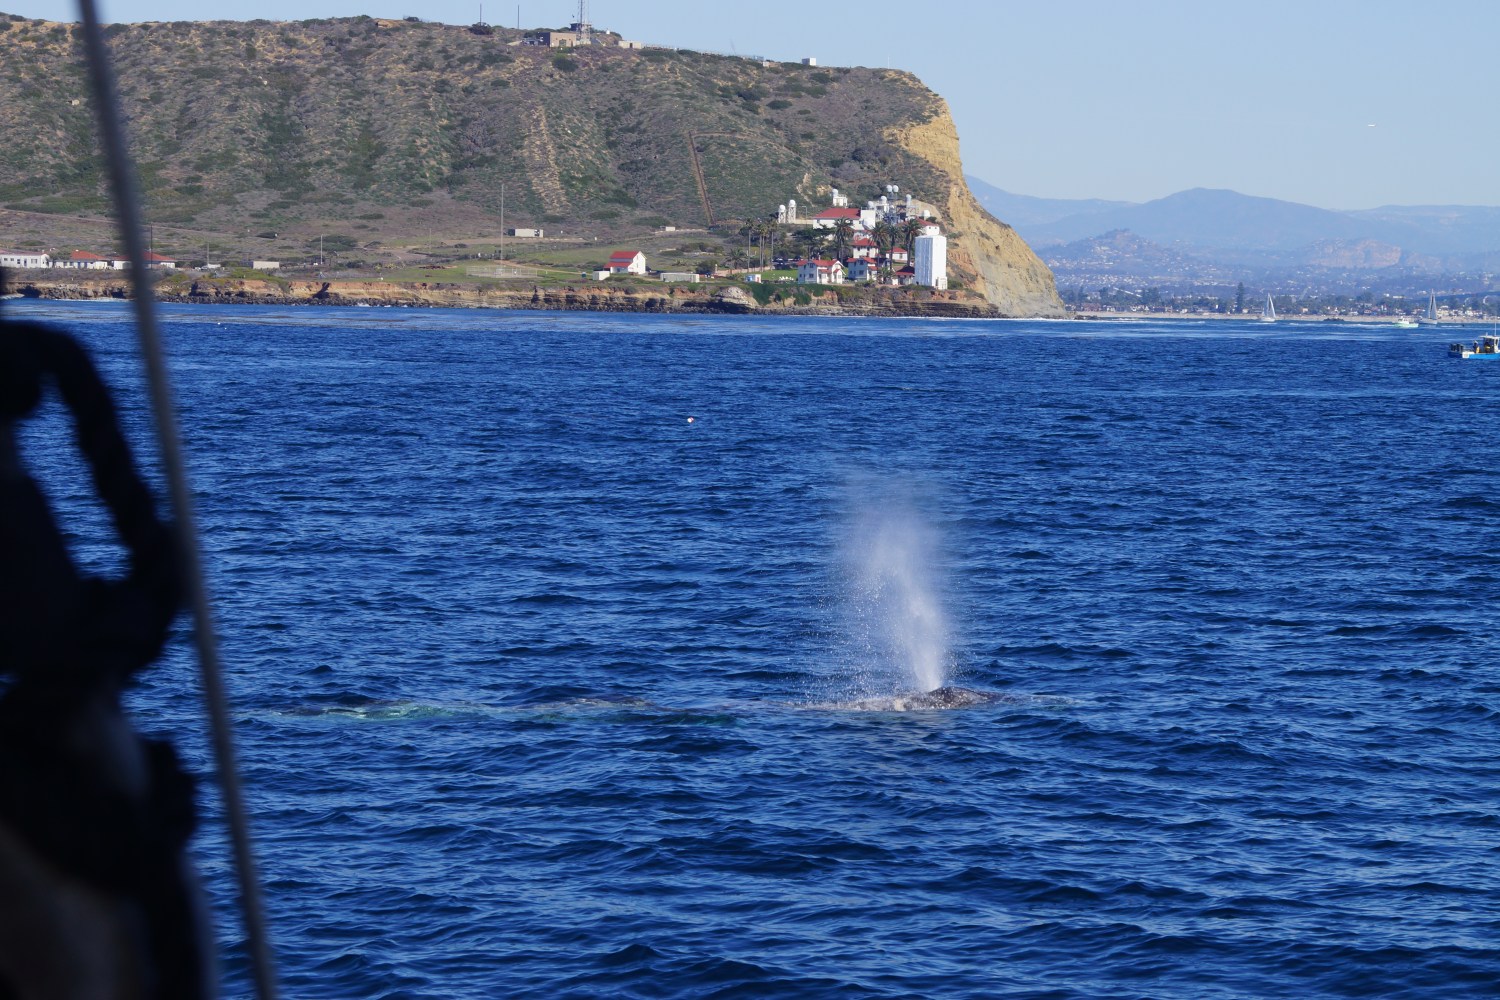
column 1407, row 323
column 1430, row 316
column 1268, row 314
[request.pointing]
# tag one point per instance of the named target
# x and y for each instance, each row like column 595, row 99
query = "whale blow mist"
column 897, row 629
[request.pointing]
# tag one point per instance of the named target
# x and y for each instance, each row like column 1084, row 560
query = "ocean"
column 574, row 655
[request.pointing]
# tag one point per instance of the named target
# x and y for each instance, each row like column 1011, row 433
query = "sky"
column 1342, row 104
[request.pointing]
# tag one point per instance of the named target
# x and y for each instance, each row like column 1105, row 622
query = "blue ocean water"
column 569, row 652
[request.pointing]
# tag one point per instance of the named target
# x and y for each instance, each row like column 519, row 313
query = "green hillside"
column 386, row 125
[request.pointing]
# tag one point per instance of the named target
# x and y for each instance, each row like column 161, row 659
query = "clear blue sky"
column 1100, row 98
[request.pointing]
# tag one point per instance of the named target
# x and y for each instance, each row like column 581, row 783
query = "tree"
column 884, row 235
column 843, row 238
column 769, row 230
column 910, row 230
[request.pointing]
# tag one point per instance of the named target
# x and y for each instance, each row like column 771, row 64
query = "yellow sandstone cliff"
column 984, row 253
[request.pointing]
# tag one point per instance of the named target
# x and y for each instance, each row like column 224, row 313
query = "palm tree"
column 910, row 230
column 843, row 238
column 884, row 235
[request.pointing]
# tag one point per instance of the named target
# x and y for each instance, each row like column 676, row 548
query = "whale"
column 939, row 699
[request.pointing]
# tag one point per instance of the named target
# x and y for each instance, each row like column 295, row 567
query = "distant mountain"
column 1221, row 220
column 1122, row 257
column 1119, row 252
column 1446, row 229
column 1022, row 210
column 1203, row 235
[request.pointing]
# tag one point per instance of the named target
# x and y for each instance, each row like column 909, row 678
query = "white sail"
column 1268, row 314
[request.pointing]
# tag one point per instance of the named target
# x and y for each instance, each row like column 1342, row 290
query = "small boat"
column 1487, row 346
column 1407, row 323
column 1268, row 314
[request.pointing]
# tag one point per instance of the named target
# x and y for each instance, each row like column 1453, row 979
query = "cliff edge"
column 983, row 252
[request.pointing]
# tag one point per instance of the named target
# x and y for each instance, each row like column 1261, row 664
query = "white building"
column 820, row 272
column 265, row 265
column 627, row 262
column 931, row 260
column 527, row 234
column 24, row 259
column 84, row 261
column 829, row 218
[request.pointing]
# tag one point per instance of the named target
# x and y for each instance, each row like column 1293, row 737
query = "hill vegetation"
column 376, row 130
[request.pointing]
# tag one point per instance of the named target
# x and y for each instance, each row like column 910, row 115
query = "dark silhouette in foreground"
column 96, row 896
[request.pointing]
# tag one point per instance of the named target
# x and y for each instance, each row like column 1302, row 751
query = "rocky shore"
column 594, row 297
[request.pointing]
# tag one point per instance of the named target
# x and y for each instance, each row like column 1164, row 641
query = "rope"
column 127, row 205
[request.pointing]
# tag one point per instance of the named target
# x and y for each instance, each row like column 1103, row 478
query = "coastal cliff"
column 391, row 142
column 983, row 251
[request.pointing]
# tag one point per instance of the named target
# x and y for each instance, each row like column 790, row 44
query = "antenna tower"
column 584, row 27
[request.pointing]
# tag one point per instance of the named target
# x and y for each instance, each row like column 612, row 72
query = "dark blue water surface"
column 544, row 689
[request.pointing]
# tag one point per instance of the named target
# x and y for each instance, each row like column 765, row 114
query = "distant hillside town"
column 890, row 242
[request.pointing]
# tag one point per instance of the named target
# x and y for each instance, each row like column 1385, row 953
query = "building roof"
column 823, row 264
column 84, row 255
column 838, row 213
column 156, row 258
column 624, row 256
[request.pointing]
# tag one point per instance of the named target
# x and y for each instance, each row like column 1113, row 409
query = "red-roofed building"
column 627, row 262
column 83, row 260
column 863, row 269
column 863, row 247
column 155, row 261
column 820, row 272
column 830, row 217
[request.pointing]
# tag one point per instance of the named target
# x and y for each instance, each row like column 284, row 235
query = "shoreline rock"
column 719, row 299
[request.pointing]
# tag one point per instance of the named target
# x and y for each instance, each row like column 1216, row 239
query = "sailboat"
column 1268, row 314
column 1430, row 316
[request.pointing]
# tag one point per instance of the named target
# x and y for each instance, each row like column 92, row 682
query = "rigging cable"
column 127, row 208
